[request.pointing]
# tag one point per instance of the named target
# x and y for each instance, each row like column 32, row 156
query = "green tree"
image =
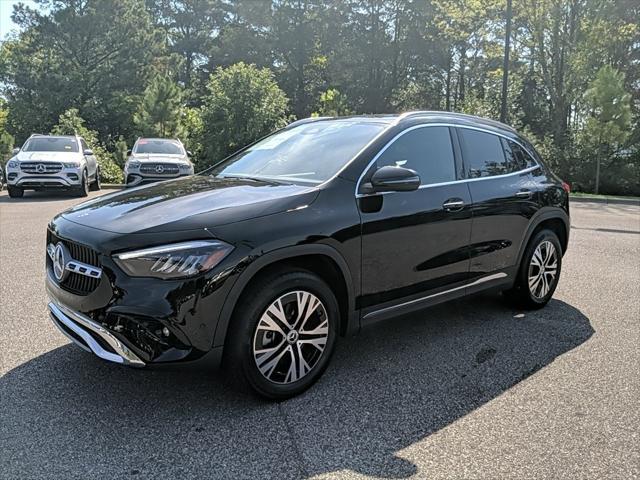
column 94, row 55
column 160, row 112
column 332, row 103
column 244, row 103
column 6, row 139
column 608, row 125
column 71, row 123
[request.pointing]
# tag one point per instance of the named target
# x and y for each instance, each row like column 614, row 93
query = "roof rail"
column 487, row 121
column 302, row 121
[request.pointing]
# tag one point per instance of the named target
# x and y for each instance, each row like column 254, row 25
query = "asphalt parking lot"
column 472, row 389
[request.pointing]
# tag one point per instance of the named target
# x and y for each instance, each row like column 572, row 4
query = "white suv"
column 53, row 162
column 154, row 159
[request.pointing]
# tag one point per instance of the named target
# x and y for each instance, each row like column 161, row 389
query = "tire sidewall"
column 247, row 319
column 523, row 280
column 84, row 186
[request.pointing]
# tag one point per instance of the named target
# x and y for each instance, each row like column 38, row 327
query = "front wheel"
column 539, row 271
column 283, row 334
column 15, row 192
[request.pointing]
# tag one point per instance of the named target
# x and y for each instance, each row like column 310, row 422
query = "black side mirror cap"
column 128, row 153
column 393, row 179
column 88, row 152
column 189, row 154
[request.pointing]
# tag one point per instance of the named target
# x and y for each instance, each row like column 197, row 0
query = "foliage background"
column 220, row 73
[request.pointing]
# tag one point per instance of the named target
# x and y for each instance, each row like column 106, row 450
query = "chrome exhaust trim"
column 81, row 325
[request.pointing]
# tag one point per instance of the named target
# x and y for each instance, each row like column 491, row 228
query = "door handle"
column 524, row 194
column 453, row 205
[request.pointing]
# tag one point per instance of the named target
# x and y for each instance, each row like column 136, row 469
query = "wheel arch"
column 555, row 219
column 320, row 259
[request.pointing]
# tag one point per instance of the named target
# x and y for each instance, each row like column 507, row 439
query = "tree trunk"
column 505, row 67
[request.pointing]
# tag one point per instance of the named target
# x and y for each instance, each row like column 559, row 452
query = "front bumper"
column 136, row 179
column 67, row 178
column 92, row 337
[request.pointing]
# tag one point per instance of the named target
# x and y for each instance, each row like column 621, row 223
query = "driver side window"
column 427, row 150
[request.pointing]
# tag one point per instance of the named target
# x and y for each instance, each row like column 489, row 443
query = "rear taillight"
column 566, row 187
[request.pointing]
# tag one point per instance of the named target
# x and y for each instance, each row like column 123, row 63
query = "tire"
column 532, row 289
column 262, row 348
column 95, row 185
column 83, row 189
column 15, row 192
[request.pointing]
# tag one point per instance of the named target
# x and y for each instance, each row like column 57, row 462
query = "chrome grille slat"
column 150, row 169
column 49, row 167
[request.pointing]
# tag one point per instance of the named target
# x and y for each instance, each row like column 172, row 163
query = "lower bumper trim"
column 86, row 330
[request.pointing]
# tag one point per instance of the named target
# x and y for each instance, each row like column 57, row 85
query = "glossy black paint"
column 391, row 252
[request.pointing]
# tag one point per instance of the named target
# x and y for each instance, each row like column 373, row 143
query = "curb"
column 606, row 201
column 112, row 186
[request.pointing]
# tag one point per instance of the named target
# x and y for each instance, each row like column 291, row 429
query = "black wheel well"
column 557, row 226
column 323, row 266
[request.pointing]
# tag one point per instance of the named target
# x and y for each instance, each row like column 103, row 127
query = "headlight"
column 186, row 167
column 12, row 164
column 177, row 260
column 71, row 164
column 132, row 165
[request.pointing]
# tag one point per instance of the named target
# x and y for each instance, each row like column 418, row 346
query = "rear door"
column 503, row 198
column 415, row 243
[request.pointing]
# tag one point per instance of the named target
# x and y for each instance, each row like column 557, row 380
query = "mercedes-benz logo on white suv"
column 159, row 169
column 40, row 168
column 60, row 262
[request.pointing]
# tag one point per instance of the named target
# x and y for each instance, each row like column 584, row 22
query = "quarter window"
column 482, row 153
column 426, row 150
column 517, row 156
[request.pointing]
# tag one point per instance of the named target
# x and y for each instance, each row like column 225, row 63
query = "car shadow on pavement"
column 67, row 414
column 43, row 196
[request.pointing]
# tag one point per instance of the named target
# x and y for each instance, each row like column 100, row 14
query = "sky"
column 6, row 9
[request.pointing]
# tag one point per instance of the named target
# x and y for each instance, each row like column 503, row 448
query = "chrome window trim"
column 444, row 124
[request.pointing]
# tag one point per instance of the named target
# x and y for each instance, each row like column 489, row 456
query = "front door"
column 415, row 243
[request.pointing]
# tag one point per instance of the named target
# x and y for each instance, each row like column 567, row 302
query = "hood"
column 189, row 203
column 48, row 156
column 157, row 157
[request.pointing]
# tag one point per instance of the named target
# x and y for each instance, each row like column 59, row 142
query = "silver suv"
column 53, row 162
column 153, row 159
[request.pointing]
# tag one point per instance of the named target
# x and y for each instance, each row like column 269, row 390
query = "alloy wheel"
column 543, row 269
column 290, row 337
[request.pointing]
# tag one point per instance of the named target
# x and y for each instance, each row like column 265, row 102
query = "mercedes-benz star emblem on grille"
column 60, row 262
column 63, row 263
column 159, row 169
column 41, row 168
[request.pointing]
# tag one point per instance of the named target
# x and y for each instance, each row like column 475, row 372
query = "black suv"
column 323, row 227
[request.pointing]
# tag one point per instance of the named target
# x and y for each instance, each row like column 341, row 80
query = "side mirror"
column 15, row 151
column 189, row 154
column 88, row 152
column 393, row 179
column 128, row 153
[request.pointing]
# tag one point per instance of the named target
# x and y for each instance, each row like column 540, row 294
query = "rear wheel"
column 95, row 185
column 15, row 192
column 539, row 271
column 283, row 334
column 83, row 189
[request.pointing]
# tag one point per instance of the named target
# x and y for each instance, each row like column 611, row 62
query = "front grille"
column 74, row 282
column 41, row 168
column 159, row 169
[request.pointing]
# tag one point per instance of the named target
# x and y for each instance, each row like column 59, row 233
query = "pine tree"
column 160, row 113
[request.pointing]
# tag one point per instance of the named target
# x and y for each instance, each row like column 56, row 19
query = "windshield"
column 51, row 144
column 308, row 153
column 166, row 147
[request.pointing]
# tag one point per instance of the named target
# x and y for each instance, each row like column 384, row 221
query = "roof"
column 454, row 117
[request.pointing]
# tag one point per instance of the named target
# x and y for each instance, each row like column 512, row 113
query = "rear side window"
column 482, row 153
column 517, row 157
column 84, row 145
column 426, row 150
